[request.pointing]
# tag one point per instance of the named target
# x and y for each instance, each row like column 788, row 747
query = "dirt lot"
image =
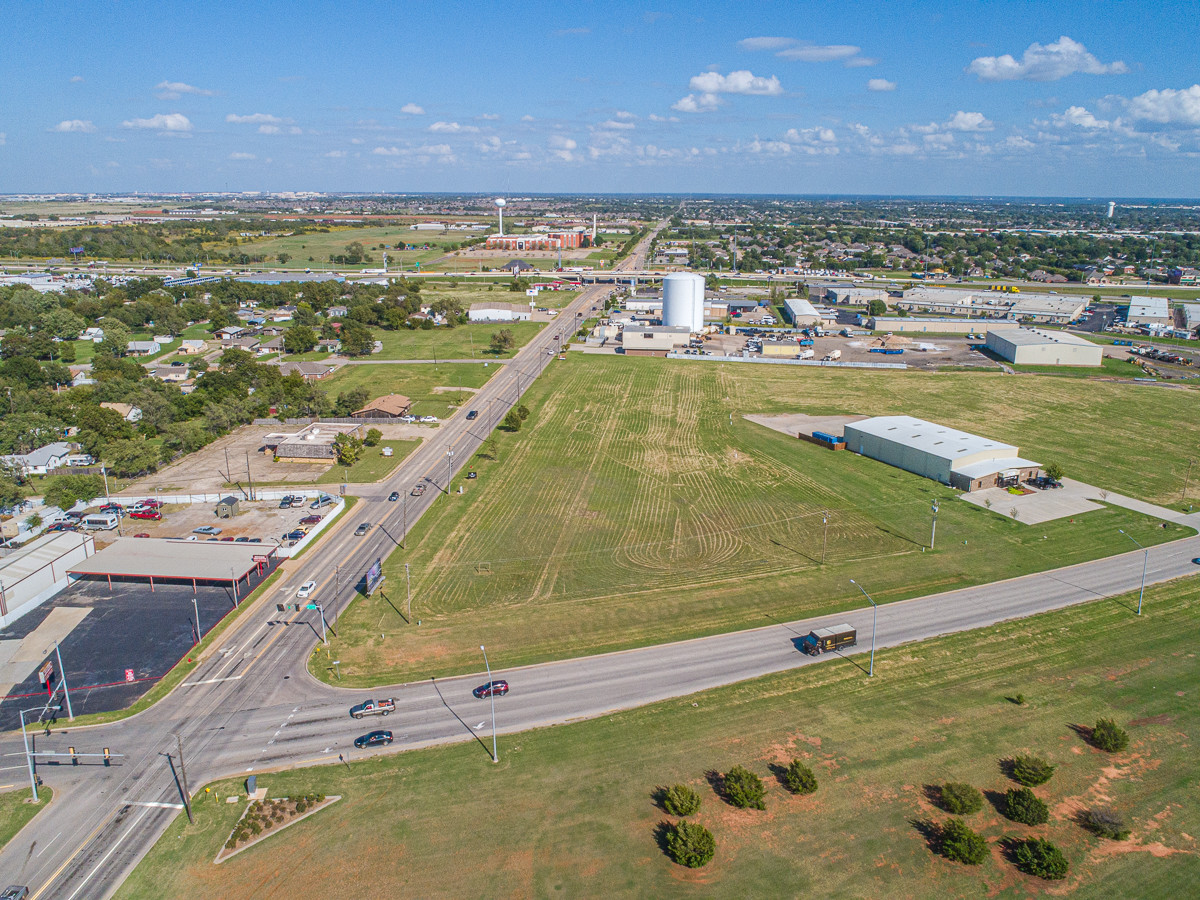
column 920, row 352
column 261, row 519
column 205, row 470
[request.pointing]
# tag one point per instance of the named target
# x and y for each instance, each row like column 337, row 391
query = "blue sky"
column 1020, row 98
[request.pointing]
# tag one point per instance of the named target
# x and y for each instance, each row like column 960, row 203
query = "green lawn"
column 569, row 811
column 372, row 466
column 1107, row 367
column 417, row 382
column 471, row 341
column 320, row 245
column 636, row 505
column 16, row 811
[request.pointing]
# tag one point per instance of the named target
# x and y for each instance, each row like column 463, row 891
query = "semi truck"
column 827, row 640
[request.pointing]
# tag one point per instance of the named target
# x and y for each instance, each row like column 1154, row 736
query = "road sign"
column 46, row 673
column 310, row 606
column 129, row 674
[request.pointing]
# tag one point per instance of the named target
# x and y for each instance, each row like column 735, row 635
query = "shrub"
column 799, row 778
column 1103, row 822
column 1030, row 770
column 301, row 806
column 1021, row 805
column 690, row 844
column 744, row 789
column 1109, row 736
column 960, row 844
column 680, row 800
column 1041, row 858
column 961, row 799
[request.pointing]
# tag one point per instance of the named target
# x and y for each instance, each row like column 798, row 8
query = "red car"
column 146, row 514
column 497, row 688
column 143, row 534
column 310, row 520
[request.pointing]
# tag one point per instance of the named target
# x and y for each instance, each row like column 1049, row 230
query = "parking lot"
column 919, row 351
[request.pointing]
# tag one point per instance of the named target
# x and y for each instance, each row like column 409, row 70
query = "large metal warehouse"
column 957, row 458
column 1035, row 347
column 1148, row 311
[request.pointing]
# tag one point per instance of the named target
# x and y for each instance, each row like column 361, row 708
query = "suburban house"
column 191, row 348
column 41, row 460
column 170, row 374
column 274, row 345
column 309, row 371
column 312, row 443
column 124, row 410
column 392, row 406
column 336, row 312
column 249, row 344
column 81, row 376
column 143, row 348
column 229, row 331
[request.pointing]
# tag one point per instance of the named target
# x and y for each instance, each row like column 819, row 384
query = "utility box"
column 227, row 508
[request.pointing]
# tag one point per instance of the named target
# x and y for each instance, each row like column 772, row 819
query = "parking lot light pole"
column 28, row 755
column 197, row 609
column 1145, row 561
column 933, row 531
column 63, row 672
column 492, row 696
column 874, row 613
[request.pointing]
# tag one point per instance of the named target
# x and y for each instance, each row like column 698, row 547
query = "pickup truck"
column 827, row 640
column 373, row 708
column 418, row 490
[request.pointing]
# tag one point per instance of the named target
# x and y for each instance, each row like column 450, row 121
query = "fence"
column 834, row 364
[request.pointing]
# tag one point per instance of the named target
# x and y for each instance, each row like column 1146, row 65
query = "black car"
column 472, row 414
column 394, row 495
column 285, row 501
column 492, row 688
column 373, row 739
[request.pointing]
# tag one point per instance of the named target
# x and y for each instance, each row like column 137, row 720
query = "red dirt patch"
column 1162, row 719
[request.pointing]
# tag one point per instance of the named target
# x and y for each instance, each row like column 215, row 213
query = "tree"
column 63, row 324
column 1109, row 736
column 961, row 799
column 1030, row 770
column 799, row 778
column 33, row 521
column 690, row 844
column 1053, row 470
column 299, row 339
column 523, row 412
column 876, row 307
column 349, row 401
column 1021, row 805
column 283, row 258
column 347, row 449
column 10, row 492
column 116, row 337
column 374, row 436
column 357, row 339
column 131, row 457
column 744, row 789
column 1103, row 822
column 502, row 340
column 680, row 800
column 1039, row 857
column 64, row 491
column 512, row 421
column 958, row 842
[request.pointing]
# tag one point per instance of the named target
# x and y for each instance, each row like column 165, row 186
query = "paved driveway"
column 1072, row 499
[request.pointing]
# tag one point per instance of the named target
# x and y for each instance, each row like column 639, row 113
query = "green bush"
column 1041, row 858
column 960, row 844
column 1103, row 822
column 961, row 799
column 1022, row 806
column 690, row 844
column 680, row 800
column 799, row 778
column 1109, row 736
column 744, row 789
column 1030, row 770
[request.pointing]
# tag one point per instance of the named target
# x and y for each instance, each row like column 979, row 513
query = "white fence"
column 833, row 364
column 283, row 551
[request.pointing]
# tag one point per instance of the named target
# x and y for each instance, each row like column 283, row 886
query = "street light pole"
column 492, row 695
column 449, row 468
column 874, row 613
column 63, row 672
column 187, row 797
column 1145, row 561
column 825, row 539
column 197, row 609
column 28, row 755
column 933, row 531
column 408, row 588
column 321, row 610
column 403, row 518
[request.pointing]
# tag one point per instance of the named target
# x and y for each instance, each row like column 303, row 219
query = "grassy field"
column 471, row 341
column 569, row 812
column 320, row 245
column 1108, row 367
column 373, row 465
column 417, row 382
column 16, row 810
column 637, row 505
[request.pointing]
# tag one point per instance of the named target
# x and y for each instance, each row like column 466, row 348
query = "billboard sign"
column 374, row 576
column 46, row 674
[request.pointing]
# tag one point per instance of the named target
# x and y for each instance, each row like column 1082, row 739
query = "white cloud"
column 424, row 153
column 940, row 141
column 771, row 148
column 254, row 119
column 611, row 124
column 1079, row 117
column 412, row 109
column 527, row 118
column 488, row 117
column 269, row 129
column 860, row 62
column 739, row 82
column 813, row 141
column 657, row 118
column 765, row 43
column 335, row 154
column 881, row 84
column 3, row 138
column 166, row 123
column 624, row 114
column 452, row 128
column 1168, row 106
column 173, row 90
column 563, row 148
column 819, row 52
column 969, row 121
column 76, row 79
column 1016, row 142
column 82, row 126
column 239, row 155
column 696, row 103
column 1044, row 63
column 387, row 151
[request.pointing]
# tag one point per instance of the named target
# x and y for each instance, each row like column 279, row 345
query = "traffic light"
column 74, row 758
column 280, row 607
column 107, row 757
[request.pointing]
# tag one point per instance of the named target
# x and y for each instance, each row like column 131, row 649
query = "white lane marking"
column 210, row 681
column 156, row 804
column 105, row 857
column 480, row 725
column 49, row 842
column 3, row 768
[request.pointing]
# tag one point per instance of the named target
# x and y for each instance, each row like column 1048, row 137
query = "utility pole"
column 825, row 539
column 249, row 480
column 321, row 610
column 449, row 468
column 408, row 584
column 187, row 797
column 874, row 613
column 1186, row 477
column 403, row 518
column 933, row 531
column 492, row 695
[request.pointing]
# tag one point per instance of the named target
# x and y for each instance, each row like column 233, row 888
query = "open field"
column 417, row 382
column 373, row 465
column 638, row 506
column 314, row 248
column 16, row 810
column 471, row 341
column 569, row 810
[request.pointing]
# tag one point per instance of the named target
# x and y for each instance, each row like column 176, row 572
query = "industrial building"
column 311, row 444
column 1148, row 311
column 1036, row 347
column 683, row 301
column 937, row 325
column 654, row 340
column 847, row 294
column 36, row 572
column 800, row 312
column 1044, row 308
column 962, row 460
column 498, row 312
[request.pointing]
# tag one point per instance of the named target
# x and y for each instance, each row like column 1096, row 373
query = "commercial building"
column 938, row 325
column 800, row 312
column 1148, row 311
column 499, row 312
column 957, row 458
column 1190, row 314
column 1035, row 347
column 392, row 406
column 654, row 340
column 847, row 294
column 553, row 240
column 312, row 443
column 38, row 571
column 1043, row 308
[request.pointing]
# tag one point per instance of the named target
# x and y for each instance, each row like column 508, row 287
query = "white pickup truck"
column 373, row 708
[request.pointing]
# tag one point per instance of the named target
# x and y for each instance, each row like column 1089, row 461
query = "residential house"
column 249, row 344
column 336, row 312
column 392, row 406
column 229, row 331
column 143, row 348
column 191, row 347
column 309, row 371
column 274, row 345
column 173, row 374
column 41, row 460
column 126, row 411
column 81, row 376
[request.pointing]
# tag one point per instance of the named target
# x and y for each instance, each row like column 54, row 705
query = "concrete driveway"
column 1072, row 499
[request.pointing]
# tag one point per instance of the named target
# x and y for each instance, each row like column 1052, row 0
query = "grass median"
column 17, row 810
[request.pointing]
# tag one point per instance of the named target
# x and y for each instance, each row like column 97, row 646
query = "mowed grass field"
column 16, row 810
column 636, row 506
column 321, row 245
column 418, row 381
column 470, row 341
column 568, row 811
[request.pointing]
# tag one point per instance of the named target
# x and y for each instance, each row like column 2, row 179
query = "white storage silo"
column 683, row 301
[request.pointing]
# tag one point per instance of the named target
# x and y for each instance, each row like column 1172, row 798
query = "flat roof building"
column 1036, row 347
column 800, row 312
column 167, row 560
column 36, row 572
column 1148, row 311
column 499, row 312
column 937, row 325
column 957, row 458
column 654, row 340
column 312, row 443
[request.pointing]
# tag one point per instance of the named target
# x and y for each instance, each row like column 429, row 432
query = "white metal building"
column 1035, row 347
column 38, row 571
column 800, row 312
column 498, row 312
column 1148, row 311
column 957, row 458
column 916, row 324
column 654, row 340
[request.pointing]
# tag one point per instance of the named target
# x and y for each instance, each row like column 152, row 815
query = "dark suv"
column 373, row 739
column 492, row 688
column 472, row 414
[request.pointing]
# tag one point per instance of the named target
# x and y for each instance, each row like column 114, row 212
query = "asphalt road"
column 252, row 707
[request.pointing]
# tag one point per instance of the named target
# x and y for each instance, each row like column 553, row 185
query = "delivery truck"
column 827, row 640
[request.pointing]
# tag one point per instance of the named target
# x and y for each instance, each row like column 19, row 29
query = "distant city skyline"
column 1034, row 99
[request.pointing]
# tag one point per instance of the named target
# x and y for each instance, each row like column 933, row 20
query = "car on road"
column 306, row 589
column 373, row 708
column 362, row 529
column 15, row 892
column 1197, row 560
column 393, row 496
column 418, row 490
column 491, row 689
column 310, row 520
column 206, row 529
column 473, row 414
column 373, row 739
column 146, row 514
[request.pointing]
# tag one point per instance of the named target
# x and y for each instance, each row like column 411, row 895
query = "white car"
column 408, row 419
column 429, row 419
column 306, row 590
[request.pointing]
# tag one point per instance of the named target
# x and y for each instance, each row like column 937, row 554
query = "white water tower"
column 683, row 301
column 500, row 202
